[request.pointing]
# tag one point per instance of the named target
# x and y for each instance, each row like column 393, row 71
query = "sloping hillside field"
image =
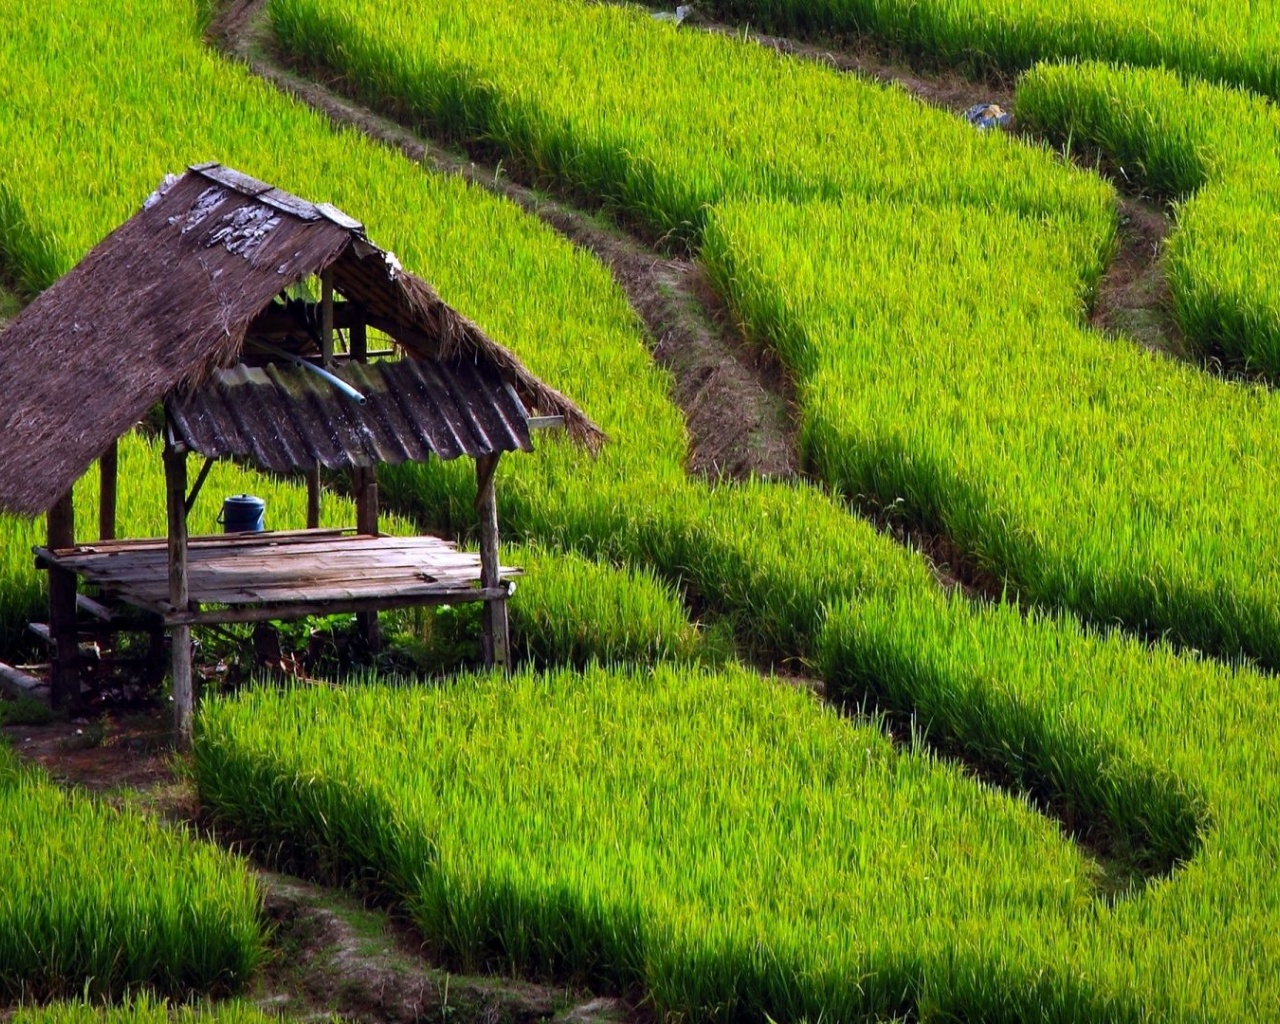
column 1052, row 801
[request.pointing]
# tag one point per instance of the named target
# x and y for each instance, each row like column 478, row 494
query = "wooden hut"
column 188, row 305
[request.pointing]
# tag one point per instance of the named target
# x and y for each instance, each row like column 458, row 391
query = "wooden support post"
column 326, row 317
column 359, row 336
column 365, row 483
column 109, row 471
column 65, row 689
column 497, row 637
column 313, row 498
column 175, row 477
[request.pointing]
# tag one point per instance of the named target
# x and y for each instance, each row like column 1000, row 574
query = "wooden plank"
column 175, row 473
column 17, row 683
column 265, row 537
column 332, row 567
column 91, row 607
column 358, row 342
column 65, row 682
column 290, row 554
column 326, row 317
column 313, row 498
column 109, row 474
column 297, row 610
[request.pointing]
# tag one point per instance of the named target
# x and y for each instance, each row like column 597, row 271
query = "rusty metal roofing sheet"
column 286, row 418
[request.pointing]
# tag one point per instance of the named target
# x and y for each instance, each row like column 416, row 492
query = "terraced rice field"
column 96, row 902
column 1212, row 39
column 710, row 841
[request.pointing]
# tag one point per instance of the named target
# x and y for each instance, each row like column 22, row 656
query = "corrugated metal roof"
column 286, row 418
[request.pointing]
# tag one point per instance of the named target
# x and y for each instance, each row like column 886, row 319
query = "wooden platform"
column 251, row 577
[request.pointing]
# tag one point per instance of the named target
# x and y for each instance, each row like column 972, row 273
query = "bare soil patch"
column 1133, row 297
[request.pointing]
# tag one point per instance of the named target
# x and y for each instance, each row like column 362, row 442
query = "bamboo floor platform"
column 251, row 577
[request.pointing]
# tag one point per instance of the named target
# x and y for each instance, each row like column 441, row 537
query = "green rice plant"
column 719, row 844
column 1216, row 151
column 602, row 102
column 959, row 390
column 1202, row 944
column 1220, row 40
column 570, row 610
column 776, row 559
column 96, row 901
column 140, row 1010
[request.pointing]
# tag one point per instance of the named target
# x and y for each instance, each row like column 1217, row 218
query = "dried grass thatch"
column 168, row 297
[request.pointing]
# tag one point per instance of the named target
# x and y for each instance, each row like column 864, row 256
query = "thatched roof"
column 168, row 297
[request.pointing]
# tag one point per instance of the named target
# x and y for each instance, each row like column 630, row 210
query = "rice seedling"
column 96, row 901
column 570, row 610
column 1214, row 39
column 1213, row 150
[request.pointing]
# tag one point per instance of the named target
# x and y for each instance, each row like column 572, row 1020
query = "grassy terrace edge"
column 96, row 902
column 578, row 827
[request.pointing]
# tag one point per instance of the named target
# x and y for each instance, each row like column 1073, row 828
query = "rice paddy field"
column 1217, row 40
column 96, row 902
column 1048, row 801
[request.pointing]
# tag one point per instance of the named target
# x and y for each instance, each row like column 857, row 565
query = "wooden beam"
column 497, row 637
column 326, row 316
column 365, row 482
column 175, row 475
column 65, row 686
column 298, row 609
column 190, row 500
column 275, row 324
column 17, row 683
column 109, row 472
column 313, row 498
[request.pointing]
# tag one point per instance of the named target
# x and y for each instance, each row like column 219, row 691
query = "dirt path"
column 738, row 402
column 1133, row 297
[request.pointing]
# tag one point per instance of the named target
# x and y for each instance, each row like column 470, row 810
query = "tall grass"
column 95, row 901
column 719, row 844
column 1216, row 153
column 1026, row 689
